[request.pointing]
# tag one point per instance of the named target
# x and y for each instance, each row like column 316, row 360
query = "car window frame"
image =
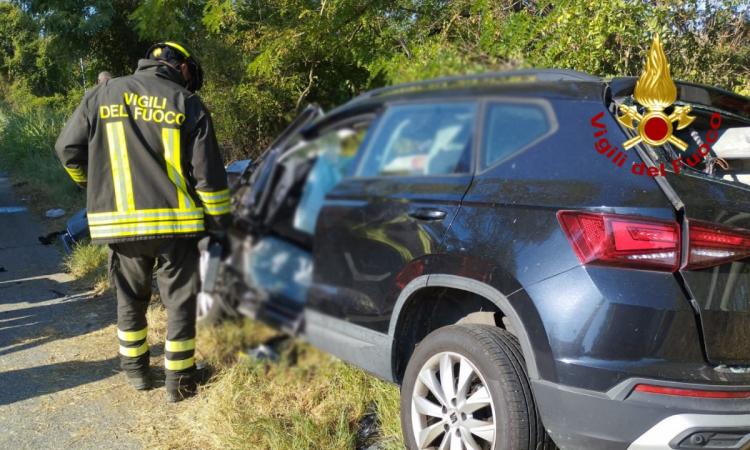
column 308, row 138
column 472, row 167
column 546, row 106
column 657, row 158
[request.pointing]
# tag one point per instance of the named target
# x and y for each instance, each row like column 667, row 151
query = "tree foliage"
column 27, row 59
column 264, row 59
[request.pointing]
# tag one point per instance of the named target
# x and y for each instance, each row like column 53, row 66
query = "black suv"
column 470, row 239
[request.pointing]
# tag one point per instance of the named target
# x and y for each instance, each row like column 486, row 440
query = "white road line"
column 12, row 209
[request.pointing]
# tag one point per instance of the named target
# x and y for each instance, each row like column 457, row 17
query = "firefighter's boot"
column 181, row 385
column 140, row 380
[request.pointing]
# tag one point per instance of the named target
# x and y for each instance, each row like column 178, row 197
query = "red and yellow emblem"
column 655, row 91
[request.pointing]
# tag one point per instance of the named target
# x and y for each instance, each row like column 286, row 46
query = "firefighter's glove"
column 215, row 237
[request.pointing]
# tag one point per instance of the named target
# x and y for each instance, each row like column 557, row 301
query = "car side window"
column 510, row 127
column 333, row 152
column 424, row 139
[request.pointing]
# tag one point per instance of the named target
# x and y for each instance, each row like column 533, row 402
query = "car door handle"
column 427, row 213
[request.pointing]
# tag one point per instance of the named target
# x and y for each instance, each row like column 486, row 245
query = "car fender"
column 478, row 288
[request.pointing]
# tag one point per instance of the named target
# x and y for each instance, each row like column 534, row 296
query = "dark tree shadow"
column 52, row 319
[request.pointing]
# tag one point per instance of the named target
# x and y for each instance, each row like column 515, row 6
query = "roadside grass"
column 88, row 263
column 27, row 140
column 306, row 400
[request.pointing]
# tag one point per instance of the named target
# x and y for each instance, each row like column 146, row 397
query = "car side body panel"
column 377, row 232
column 504, row 238
column 368, row 247
column 584, row 328
column 589, row 334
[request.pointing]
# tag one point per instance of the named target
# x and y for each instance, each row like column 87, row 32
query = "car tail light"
column 623, row 241
column 711, row 245
column 694, row 393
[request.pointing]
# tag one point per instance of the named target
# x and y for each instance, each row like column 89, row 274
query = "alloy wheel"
column 451, row 407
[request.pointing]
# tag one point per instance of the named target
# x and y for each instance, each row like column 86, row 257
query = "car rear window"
column 423, row 139
column 510, row 127
column 725, row 152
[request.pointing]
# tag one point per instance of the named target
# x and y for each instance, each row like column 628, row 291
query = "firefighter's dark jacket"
column 146, row 151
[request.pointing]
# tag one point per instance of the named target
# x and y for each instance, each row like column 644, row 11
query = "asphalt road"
column 60, row 386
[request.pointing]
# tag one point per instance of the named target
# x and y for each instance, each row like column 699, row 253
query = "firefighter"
column 144, row 148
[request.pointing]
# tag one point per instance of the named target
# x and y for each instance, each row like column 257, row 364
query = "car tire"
column 489, row 398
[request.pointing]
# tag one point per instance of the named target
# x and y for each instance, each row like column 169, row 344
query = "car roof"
column 519, row 83
column 545, row 83
column 486, row 79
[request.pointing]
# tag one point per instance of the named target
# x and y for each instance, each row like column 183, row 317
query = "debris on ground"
column 272, row 350
column 262, row 353
column 54, row 213
column 48, row 239
column 368, row 429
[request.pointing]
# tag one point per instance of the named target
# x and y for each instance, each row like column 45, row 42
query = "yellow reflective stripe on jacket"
column 146, row 229
column 214, row 197
column 171, row 139
column 134, row 351
column 180, row 364
column 144, row 215
column 77, row 174
column 118, row 158
column 217, row 210
column 215, row 203
column 132, row 336
column 180, row 346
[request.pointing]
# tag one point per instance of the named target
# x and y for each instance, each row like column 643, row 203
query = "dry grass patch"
column 156, row 316
column 307, row 400
column 316, row 403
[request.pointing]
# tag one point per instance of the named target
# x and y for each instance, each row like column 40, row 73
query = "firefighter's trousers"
column 131, row 268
